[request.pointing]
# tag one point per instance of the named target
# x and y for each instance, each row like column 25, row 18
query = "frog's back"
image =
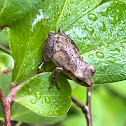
column 66, row 54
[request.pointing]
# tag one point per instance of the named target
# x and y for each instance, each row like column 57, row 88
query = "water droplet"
column 120, row 28
column 33, row 101
column 112, row 19
column 90, row 30
column 92, row 17
column 57, row 110
column 103, row 12
column 29, row 91
column 71, row 1
column 38, row 95
column 77, row 2
column 91, row 56
column 86, row 7
column 111, row 59
column 122, row 21
column 69, row 13
column 69, row 8
column 100, row 54
column 117, row 49
column 101, row 26
column 83, row 9
column 104, row 66
column 47, row 99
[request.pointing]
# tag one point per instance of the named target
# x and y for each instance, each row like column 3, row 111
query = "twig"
column 85, row 108
column 12, row 93
column 79, row 104
column 6, row 108
column 88, row 116
column 5, row 49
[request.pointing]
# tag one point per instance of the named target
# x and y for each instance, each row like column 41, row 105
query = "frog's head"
column 85, row 77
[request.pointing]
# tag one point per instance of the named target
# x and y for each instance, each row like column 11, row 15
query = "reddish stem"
column 12, row 93
column 6, row 108
column 4, row 26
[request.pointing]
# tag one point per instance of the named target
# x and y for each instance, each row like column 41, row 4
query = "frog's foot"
column 54, row 82
column 55, row 72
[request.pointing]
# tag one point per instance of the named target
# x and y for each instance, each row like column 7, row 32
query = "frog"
column 64, row 53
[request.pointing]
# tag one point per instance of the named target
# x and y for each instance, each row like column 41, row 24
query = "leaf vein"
column 3, row 8
column 61, row 12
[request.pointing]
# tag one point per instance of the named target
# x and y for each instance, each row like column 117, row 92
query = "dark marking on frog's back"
column 61, row 32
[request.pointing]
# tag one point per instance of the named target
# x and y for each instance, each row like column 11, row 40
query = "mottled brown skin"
column 65, row 54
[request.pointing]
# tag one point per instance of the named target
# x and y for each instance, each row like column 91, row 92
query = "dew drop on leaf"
column 100, row 54
column 101, row 26
column 69, row 13
column 104, row 66
column 69, row 8
column 71, row 1
column 111, row 59
column 90, row 56
column 86, row 7
column 90, row 30
column 47, row 99
column 29, row 91
column 112, row 19
column 92, row 17
column 32, row 101
column 77, row 2
column 117, row 49
column 38, row 95
column 83, row 9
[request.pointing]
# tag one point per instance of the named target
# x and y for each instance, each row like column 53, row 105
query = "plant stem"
column 79, row 104
column 88, row 115
column 5, row 49
column 85, row 108
column 12, row 92
column 6, row 108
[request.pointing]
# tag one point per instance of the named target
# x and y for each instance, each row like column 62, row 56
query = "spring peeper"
column 61, row 49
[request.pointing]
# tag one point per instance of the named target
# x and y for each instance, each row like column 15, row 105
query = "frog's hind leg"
column 49, row 46
column 53, row 76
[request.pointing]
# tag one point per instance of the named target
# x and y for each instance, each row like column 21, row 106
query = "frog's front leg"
column 49, row 46
column 53, row 76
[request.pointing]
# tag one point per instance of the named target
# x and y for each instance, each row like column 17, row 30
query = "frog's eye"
column 79, row 80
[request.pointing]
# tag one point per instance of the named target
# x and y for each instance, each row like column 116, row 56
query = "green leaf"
column 5, row 83
column 37, row 96
column 13, row 10
column 26, row 49
column 4, row 38
column 6, row 63
column 21, row 113
column 122, row 1
column 109, row 62
column 100, row 35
